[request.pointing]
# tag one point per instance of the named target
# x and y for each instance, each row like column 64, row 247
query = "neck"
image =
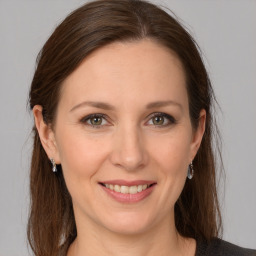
column 163, row 239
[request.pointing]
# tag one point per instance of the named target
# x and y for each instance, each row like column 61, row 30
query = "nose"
column 129, row 151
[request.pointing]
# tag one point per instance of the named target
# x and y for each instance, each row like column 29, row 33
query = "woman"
column 123, row 162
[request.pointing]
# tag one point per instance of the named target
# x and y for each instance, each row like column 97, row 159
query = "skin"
column 128, row 145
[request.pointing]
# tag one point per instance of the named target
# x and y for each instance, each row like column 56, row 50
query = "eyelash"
column 171, row 120
column 87, row 118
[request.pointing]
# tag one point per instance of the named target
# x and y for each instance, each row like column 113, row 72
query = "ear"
column 46, row 135
column 198, row 134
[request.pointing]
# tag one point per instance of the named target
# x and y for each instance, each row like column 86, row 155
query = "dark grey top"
column 218, row 247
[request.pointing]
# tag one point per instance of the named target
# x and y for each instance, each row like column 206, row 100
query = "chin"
column 128, row 223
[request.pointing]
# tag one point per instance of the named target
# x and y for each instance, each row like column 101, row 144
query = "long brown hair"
column 51, row 222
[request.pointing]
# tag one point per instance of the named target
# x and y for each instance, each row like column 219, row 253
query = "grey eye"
column 97, row 120
column 158, row 120
column 161, row 119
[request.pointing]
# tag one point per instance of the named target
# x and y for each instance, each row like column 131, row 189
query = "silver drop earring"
column 54, row 167
column 190, row 171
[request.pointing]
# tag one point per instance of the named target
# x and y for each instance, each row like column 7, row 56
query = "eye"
column 161, row 119
column 95, row 120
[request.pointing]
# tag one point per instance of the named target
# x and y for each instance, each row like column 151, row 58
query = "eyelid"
column 171, row 119
column 86, row 118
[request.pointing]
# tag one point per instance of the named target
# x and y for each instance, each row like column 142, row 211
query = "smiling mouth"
column 127, row 189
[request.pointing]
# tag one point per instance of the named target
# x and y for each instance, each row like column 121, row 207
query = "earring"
column 190, row 171
column 54, row 167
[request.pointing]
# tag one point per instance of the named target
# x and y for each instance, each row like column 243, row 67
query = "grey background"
column 226, row 32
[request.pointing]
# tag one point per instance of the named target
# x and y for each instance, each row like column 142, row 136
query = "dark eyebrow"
column 158, row 104
column 94, row 104
column 106, row 106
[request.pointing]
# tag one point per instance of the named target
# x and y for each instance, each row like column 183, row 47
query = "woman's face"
column 123, row 136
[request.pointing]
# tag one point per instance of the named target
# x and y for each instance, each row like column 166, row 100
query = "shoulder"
column 218, row 247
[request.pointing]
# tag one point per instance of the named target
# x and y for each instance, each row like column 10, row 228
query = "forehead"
column 127, row 71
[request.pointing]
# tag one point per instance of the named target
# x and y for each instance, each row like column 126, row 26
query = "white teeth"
column 127, row 189
column 144, row 186
column 124, row 190
column 133, row 190
column 117, row 188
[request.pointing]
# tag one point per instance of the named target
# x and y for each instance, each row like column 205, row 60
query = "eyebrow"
column 106, row 106
column 158, row 104
column 94, row 104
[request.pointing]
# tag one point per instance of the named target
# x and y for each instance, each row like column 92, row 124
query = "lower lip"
column 129, row 198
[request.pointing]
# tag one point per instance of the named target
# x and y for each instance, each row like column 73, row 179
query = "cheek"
column 81, row 156
column 171, row 160
column 172, row 152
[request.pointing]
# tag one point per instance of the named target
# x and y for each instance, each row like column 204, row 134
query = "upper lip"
column 128, row 183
